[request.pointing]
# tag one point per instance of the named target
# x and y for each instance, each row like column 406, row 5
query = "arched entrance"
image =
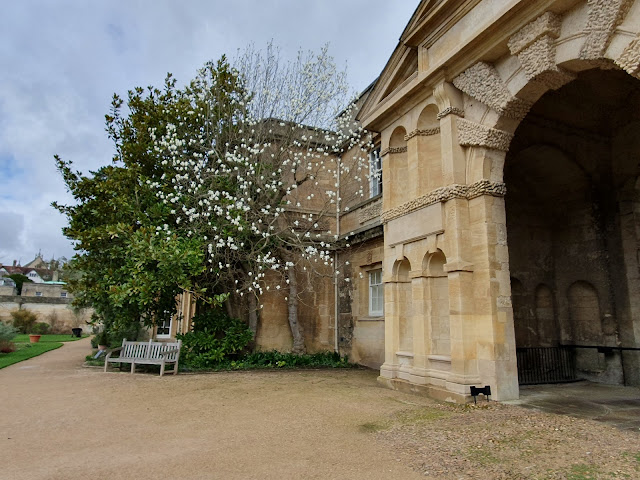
column 573, row 223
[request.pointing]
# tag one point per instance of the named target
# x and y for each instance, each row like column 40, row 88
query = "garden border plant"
column 219, row 342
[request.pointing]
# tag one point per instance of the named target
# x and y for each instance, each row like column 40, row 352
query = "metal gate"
column 545, row 365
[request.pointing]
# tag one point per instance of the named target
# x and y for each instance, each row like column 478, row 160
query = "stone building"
column 504, row 237
column 509, row 143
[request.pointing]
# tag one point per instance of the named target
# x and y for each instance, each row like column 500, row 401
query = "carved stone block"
column 475, row 134
column 482, row 82
column 603, row 18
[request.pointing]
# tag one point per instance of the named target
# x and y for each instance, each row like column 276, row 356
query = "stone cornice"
column 370, row 212
column 444, row 194
column 422, row 133
column 397, row 150
column 450, row 111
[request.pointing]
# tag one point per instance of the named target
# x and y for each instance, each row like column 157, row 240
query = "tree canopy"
column 229, row 184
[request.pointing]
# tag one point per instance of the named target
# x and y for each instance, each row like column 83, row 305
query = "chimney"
column 14, row 262
column 55, row 276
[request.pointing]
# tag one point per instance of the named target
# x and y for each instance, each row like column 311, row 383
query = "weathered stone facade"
column 509, row 218
column 521, row 203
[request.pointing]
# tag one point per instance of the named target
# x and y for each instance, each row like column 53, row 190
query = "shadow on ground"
column 612, row 404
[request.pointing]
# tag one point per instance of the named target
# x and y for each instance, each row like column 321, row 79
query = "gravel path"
column 59, row 420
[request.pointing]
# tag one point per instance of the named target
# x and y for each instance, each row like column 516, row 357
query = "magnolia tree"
column 121, row 268
column 260, row 181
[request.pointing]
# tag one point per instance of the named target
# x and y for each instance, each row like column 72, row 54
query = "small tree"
column 19, row 280
column 7, row 333
column 24, row 320
column 123, row 267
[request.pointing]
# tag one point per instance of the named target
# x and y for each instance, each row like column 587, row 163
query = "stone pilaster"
column 421, row 324
column 453, row 162
column 389, row 368
column 493, row 313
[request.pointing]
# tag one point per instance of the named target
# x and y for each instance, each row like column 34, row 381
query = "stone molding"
column 450, row 111
column 535, row 47
column 397, row 149
column 478, row 135
column 629, row 61
column 482, row 82
column 384, row 152
column 370, row 212
column 444, row 194
column 602, row 19
column 422, row 133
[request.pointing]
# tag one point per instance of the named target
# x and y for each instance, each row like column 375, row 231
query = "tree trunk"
column 292, row 304
column 253, row 315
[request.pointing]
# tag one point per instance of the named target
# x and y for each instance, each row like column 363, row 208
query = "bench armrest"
column 173, row 350
column 112, row 351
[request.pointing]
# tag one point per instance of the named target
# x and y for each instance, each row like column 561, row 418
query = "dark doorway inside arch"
column 573, row 223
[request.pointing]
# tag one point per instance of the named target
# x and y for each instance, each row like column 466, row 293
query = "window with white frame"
column 63, row 294
column 163, row 328
column 375, row 173
column 376, row 293
column 38, row 294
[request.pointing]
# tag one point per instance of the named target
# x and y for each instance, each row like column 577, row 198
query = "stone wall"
column 49, row 310
column 315, row 312
column 361, row 336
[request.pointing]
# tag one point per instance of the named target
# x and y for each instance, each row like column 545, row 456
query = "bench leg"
column 175, row 367
column 133, row 367
column 105, row 366
column 162, row 369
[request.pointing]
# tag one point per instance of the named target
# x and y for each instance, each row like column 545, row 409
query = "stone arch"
column 584, row 313
column 428, row 118
column 398, row 169
column 429, row 151
column 433, row 264
column 570, row 214
column 397, row 139
column 403, row 299
column 401, row 270
column 497, row 96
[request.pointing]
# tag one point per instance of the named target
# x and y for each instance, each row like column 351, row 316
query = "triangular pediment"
column 422, row 12
column 430, row 18
column 403, row 63
column 401, row 67
column 407, row 66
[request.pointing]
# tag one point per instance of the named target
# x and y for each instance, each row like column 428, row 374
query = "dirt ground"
column 59, row 420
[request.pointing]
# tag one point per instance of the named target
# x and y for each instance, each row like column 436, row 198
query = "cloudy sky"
column 61, row 61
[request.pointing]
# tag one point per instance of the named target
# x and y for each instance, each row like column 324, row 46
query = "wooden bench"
column 146, row 353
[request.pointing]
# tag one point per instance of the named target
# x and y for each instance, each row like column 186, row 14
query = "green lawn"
column 27, row 350
column 47, row 338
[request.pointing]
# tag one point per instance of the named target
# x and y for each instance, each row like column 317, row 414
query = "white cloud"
column 63, row 60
